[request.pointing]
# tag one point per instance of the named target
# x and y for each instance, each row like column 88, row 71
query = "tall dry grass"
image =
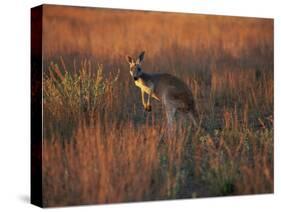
column 99, row 144
column 112, row 163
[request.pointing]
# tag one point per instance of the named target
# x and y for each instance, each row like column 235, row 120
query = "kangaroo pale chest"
column 146, row 87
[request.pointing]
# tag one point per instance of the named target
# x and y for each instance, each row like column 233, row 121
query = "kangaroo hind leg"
column 192, row 118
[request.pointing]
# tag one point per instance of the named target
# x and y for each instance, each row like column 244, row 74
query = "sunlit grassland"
column 100, row 146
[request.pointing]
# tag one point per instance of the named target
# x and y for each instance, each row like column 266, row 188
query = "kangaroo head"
column 135, row 66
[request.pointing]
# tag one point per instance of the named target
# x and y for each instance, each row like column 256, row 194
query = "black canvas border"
column 36, row 105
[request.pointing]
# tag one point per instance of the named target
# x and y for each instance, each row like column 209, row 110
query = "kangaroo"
column 174, row 94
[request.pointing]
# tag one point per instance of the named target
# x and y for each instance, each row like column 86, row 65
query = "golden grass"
column 111, row 163
column 114, row 33
column 99, row 144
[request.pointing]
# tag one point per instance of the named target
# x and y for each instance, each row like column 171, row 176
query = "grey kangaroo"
column 173, row 93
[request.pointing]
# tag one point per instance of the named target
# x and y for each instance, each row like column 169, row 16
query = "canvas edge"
column 155, row 11
column 36, row 190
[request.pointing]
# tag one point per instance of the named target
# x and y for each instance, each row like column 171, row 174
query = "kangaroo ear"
column 129, row 59
column 140, row 58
